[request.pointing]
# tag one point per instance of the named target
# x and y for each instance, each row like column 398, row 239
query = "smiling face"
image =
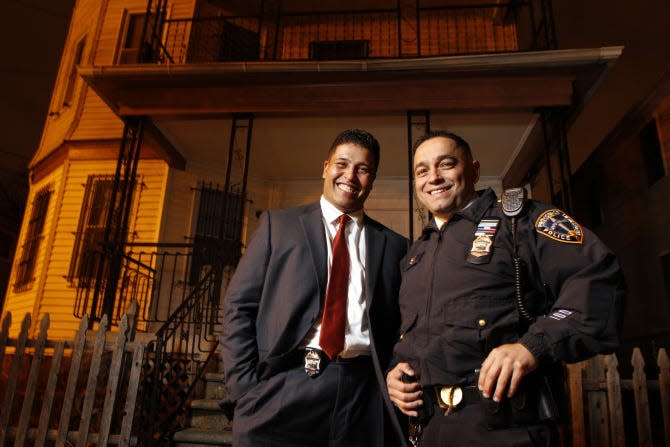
column 444, row 176
column 348, row 176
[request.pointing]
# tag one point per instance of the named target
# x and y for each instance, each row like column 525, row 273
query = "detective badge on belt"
column 482, row 244
column 313, row 363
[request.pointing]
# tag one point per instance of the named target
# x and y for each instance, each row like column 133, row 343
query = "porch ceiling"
column 295, row 147
column 494, row 97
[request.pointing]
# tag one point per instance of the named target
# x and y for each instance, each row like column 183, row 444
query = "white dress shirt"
column 357, row 330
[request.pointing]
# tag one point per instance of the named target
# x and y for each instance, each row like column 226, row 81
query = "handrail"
column 178, row 344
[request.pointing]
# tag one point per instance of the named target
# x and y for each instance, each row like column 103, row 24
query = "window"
column 132, row 41
column 651, row 153
column 210, row 223
column 91, row 229
column 238, row 43
column 29, row 250
column 339, row 49
column 72, row 79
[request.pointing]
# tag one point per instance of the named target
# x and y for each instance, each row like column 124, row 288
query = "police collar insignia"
column 482, row 243
column 557, row 225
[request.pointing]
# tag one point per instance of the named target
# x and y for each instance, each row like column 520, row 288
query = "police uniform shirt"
column 456, row 307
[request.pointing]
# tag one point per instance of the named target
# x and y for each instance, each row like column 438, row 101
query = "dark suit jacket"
column 278, row 289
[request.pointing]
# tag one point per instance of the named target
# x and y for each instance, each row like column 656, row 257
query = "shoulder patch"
column 557, row 225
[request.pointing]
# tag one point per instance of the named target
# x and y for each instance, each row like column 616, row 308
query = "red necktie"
column 334, row 317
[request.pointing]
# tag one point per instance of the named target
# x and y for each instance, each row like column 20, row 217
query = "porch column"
column 557, row 157
column 418, row 123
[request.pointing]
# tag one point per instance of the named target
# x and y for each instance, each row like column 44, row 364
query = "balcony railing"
column 361, row 34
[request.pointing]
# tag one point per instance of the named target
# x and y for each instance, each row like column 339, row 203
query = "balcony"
column 413, row 31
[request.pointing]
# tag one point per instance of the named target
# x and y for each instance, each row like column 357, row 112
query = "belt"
column 316, row 361
column 304, row 353
column 452, row 397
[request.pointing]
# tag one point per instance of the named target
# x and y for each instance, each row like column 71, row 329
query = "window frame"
column 25, row 266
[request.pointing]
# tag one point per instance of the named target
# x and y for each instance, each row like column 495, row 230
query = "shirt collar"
column 473, row 211
column 476, row 209
column 331, row 213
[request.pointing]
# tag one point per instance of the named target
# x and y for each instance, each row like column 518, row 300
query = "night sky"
column 32, row 34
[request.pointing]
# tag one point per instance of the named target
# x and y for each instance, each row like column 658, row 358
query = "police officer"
column 476, row 345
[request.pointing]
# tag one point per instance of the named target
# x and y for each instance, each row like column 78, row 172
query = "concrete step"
column 214, row 388
column 194, row 437
column 207, row 415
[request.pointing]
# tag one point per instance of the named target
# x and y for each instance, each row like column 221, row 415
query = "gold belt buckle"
column 449, row 397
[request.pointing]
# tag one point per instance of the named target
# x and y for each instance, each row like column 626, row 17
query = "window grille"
column 34, row 236
column 215, row 228
column 89, row 239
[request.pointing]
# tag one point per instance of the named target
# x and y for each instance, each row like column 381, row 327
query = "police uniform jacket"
column 457, row 294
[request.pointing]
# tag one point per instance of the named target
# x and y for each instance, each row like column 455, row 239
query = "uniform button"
column 401, row 336
column 482, row 322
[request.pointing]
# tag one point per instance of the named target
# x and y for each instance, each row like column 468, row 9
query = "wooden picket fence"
column 35, row 409
column 100, row 374
column 597, row 407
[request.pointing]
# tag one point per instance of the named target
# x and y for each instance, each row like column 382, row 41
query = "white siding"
column 57, row 297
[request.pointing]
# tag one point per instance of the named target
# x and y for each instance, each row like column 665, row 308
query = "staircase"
column 208, row 425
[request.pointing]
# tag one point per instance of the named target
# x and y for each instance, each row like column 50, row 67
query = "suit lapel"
column 374, row 252
column 312, row 225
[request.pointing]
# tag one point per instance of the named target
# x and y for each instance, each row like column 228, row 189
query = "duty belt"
column 450, row 398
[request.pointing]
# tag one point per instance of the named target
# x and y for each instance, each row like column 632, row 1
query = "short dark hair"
column 360, row 138
column 460, row 142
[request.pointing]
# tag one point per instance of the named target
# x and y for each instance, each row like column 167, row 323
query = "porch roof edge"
column 497, row 61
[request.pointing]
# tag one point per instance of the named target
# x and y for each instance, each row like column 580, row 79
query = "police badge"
column 557, row 225
column 312, row 363
column 482, row 244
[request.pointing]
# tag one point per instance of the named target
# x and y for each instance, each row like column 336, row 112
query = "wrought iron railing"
column 179, row 355
column 182, row 308
column 360, row 34
column 148, row 271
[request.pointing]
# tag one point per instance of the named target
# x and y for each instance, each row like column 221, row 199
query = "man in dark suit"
column 287, row 391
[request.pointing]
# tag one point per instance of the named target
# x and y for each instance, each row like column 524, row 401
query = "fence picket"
column 617, row 432
column 131, row 396
column 599, row 419
column 31, row 384
column 664, row 388
column 71, row 387
column 13, row 379
column 49, row 394
column 89, row 397
column 575, row 377
column 644, row 437
column 113, row 381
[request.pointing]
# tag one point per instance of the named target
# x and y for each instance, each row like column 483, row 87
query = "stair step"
column 214, row 388
column 207, row 415
column 194, row 437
